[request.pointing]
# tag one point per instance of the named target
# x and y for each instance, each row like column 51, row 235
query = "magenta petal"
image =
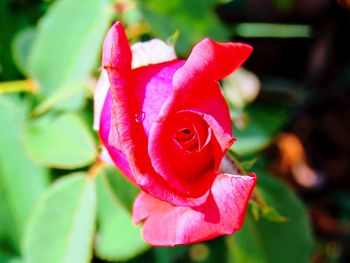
column 116, row 54
column 210, row 60
column 104, row 129
column 222, row 214
column 116, row 59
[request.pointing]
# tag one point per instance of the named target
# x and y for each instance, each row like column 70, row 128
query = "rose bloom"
column 165, row 124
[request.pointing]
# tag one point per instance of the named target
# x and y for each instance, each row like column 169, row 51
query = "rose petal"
column 151, row 52
column 105, row 126
column 210, row 60
column 116, row 53
column 222, row 214
column 100, row 94
column 116, row 59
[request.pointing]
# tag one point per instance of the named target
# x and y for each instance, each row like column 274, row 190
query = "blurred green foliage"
column 76, row 146
column 21, row 180
column 44, row 131
column 115, row 219
column 69, row 205
column 264, row 241
column 256, row 135
column 190, row 24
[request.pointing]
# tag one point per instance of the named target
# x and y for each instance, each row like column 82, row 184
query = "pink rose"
column 165, row 124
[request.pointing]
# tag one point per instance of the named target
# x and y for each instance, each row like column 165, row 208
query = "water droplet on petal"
column 140, row 117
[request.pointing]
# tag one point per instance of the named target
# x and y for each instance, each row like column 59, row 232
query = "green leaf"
column 3, row 213
column 21, row 181
column 9, row 236
column 62, row 225
column 263, row 124
column 68, row 42
column 6, row 257
column 122, row 189
column 21, row 47
column 60, row 141
column 69, row 97
column 117, row 238
column 267, row 242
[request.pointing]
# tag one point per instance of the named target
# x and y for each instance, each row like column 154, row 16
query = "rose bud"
column 165, row 124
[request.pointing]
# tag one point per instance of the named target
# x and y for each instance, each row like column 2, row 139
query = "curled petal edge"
column 222, row 214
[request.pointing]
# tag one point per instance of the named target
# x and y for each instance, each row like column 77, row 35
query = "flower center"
column 188, row 152
column 189, row 132
column 187, row 139
column 184, row 134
